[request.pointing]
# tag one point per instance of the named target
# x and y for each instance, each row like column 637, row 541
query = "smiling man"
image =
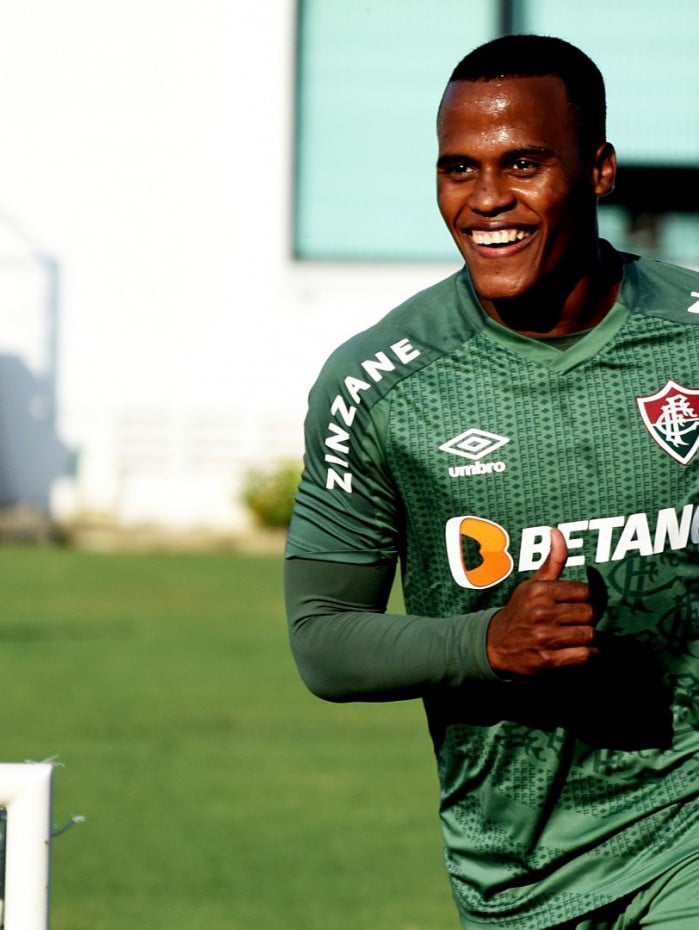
column 522, row 437
column 519, row 195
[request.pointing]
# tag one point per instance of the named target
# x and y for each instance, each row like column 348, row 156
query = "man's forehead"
column 539, row 103
column 503, row 94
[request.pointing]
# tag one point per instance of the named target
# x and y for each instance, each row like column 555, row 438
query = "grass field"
column 217, row 792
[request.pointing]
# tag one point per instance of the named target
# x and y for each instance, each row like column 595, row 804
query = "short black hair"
column 537, row 56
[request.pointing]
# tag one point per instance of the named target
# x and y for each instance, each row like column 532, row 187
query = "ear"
column 604, row 169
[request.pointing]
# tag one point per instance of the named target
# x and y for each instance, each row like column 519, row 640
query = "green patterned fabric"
column 444, row 440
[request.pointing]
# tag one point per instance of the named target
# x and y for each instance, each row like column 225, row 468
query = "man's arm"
column 348, row 649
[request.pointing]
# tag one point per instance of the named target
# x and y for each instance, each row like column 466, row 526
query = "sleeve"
column 346, row 508
column 348, row 649
column 344, row 540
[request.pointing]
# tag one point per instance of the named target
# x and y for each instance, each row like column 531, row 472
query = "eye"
column 457, row 169
column 524, row 165
column 460, row 170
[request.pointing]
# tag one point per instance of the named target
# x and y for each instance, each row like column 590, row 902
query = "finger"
column 582, row 634
column 579, row 613
column 575, row 655
column 555, row 561
column 560, row 592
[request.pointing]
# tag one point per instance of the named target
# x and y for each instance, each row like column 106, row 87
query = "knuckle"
column 547, row 660
column 539, row 613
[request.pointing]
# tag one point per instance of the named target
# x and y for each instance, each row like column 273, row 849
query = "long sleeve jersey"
column 447, row 443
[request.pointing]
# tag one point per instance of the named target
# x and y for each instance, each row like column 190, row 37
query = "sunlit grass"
column 217, row 792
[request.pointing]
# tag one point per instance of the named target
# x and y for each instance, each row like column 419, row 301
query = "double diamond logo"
column 670, row 416
column 474, row 444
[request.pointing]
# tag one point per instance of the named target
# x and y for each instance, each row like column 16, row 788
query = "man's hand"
column 548, row 623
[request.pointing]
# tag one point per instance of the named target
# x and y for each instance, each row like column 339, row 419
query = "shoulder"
column 666, row 291
column 423, row 328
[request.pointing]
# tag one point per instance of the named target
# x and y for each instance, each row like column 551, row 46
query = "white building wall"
column 147, row 148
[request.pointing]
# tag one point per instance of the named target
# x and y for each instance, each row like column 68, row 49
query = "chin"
column 500, row 291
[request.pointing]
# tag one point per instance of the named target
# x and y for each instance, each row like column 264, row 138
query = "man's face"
column 512, row 184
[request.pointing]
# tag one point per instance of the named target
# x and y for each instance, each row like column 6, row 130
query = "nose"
column 490, row 193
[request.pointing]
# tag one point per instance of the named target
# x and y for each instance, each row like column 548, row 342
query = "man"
column 523, row 438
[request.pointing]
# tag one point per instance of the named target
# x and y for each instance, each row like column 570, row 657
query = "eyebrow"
column 537, row 150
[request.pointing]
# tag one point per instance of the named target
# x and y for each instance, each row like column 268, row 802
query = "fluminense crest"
column 672, row 418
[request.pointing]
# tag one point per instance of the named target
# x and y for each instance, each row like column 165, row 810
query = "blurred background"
column 199, row 199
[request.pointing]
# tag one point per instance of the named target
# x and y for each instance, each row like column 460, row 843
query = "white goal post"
column 25, row 795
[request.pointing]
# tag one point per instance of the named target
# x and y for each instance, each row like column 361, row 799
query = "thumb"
column 552, row 568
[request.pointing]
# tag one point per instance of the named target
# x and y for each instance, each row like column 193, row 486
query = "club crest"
column 671, row 417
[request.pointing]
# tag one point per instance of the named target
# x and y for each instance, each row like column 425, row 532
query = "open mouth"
column 497, row 238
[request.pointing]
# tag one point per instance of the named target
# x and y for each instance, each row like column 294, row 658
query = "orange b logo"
column 493, row 544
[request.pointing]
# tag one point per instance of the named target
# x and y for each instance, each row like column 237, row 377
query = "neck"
column 573, row 303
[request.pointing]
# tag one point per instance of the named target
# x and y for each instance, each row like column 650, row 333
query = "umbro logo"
column 694, row 308
column 474, row 444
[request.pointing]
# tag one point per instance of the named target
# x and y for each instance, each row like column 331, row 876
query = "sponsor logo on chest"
column 609, row 539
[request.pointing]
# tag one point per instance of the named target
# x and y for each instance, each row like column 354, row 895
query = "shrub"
column 269, row 493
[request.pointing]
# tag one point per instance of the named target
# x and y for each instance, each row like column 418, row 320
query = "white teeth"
column 498, row 236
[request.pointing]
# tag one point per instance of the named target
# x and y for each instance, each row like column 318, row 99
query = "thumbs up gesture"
column 548, row 622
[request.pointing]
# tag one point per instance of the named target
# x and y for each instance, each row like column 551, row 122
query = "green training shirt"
column 446, row 441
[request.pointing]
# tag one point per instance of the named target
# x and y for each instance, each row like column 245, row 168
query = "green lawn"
column 218, row 794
